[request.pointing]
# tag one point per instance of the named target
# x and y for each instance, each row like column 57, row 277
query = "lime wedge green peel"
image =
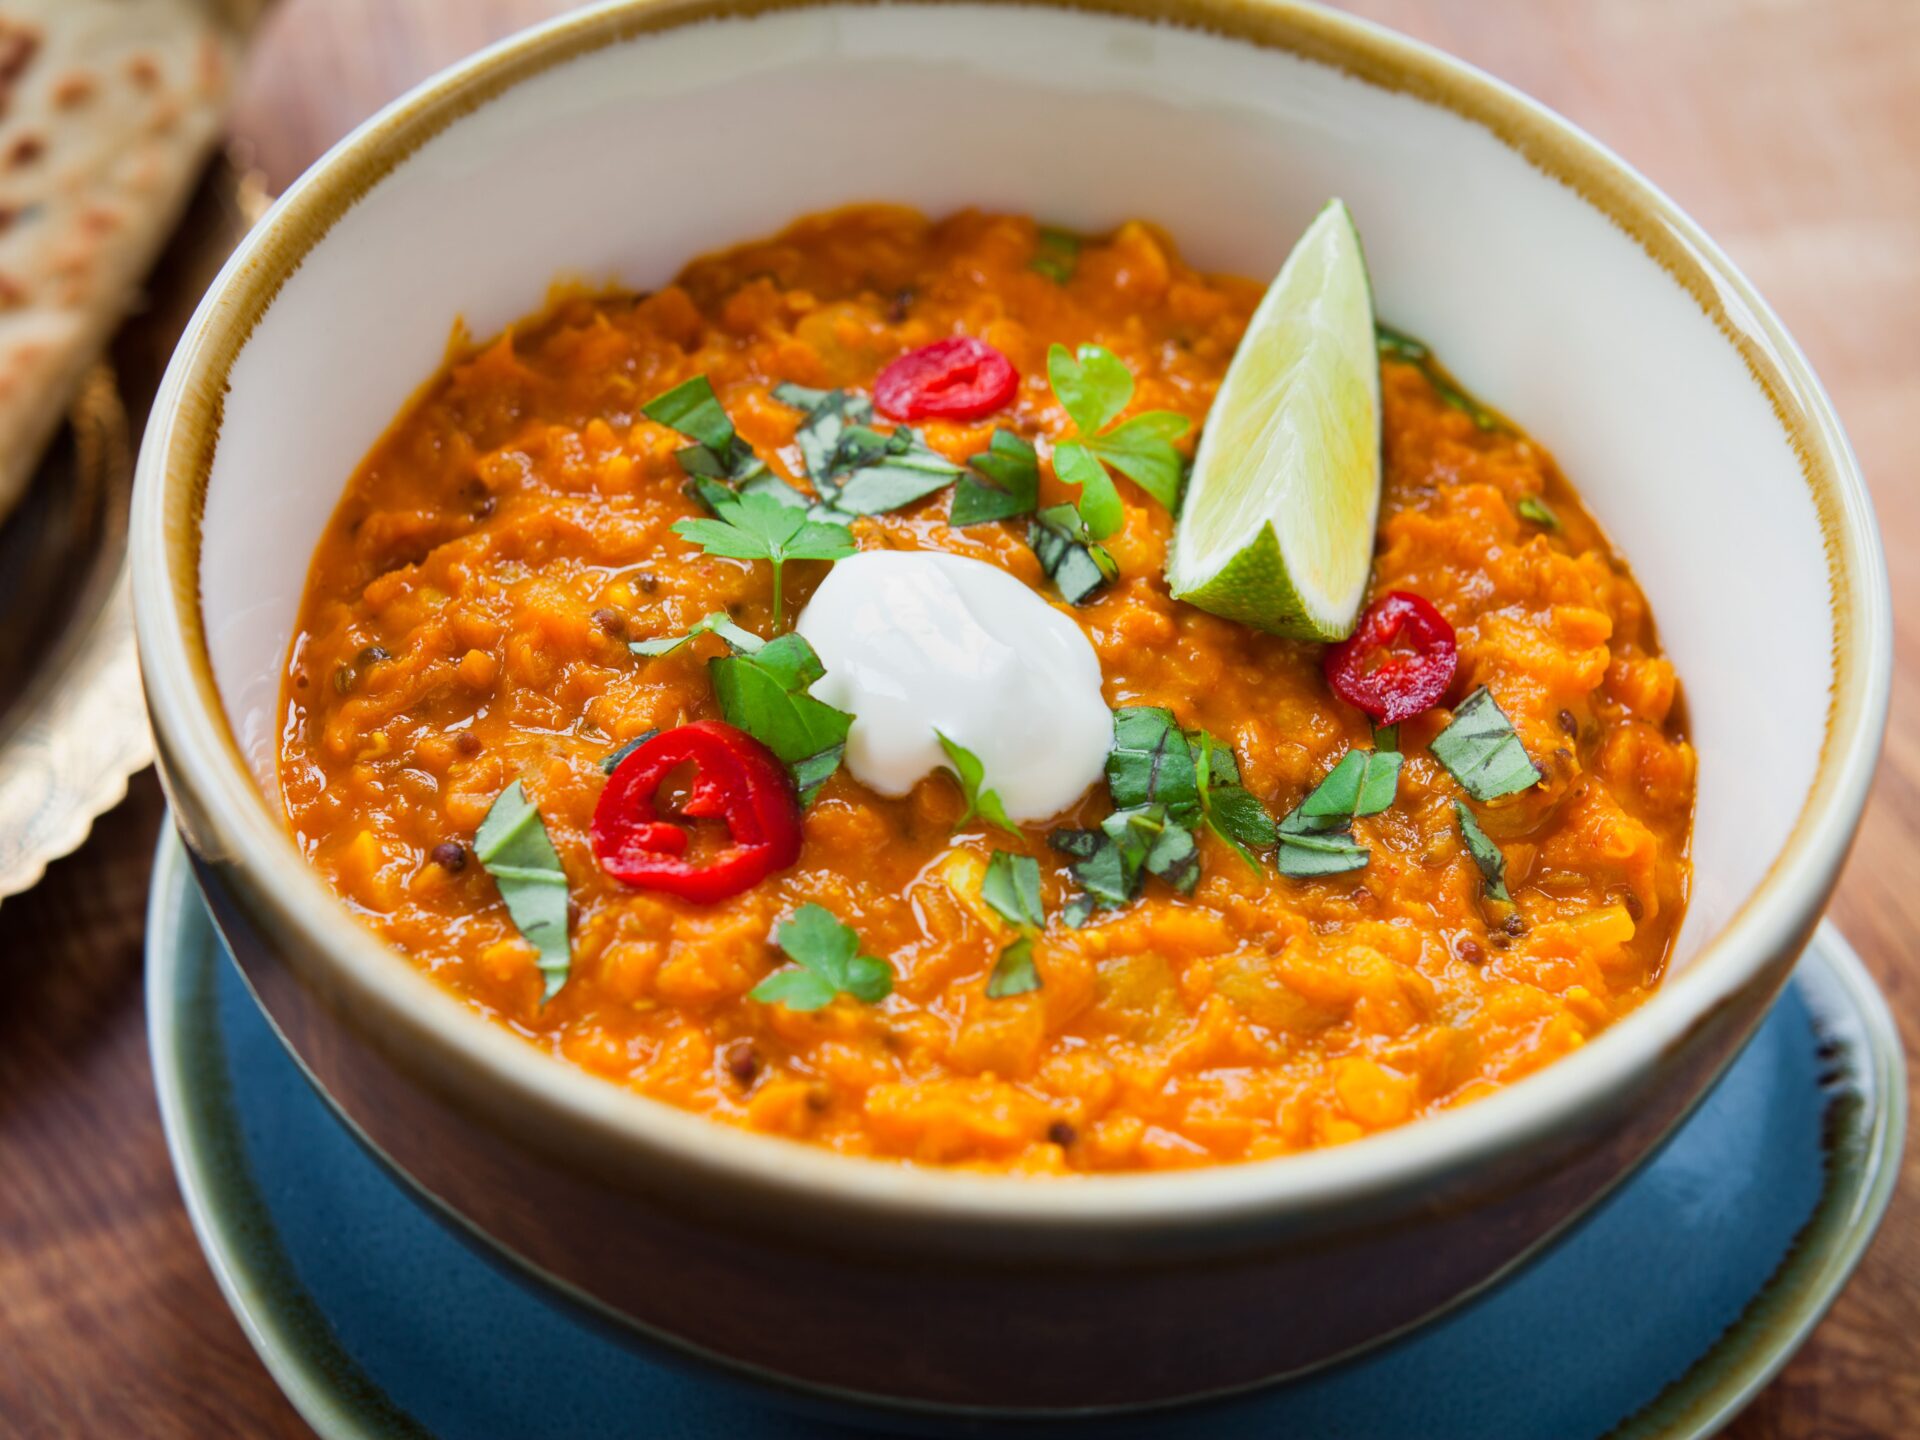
column 1277, row 528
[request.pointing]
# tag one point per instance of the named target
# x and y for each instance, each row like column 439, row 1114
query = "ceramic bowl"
column 615, row 144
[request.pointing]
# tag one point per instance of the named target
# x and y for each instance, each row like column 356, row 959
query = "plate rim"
column 333, row 1395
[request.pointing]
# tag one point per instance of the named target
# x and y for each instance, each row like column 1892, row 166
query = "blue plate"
column 1660, row 1315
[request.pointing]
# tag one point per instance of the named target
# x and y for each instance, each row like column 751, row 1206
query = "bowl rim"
column 617, row 1129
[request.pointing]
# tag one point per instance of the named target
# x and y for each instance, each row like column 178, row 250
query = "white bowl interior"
column 621, row 164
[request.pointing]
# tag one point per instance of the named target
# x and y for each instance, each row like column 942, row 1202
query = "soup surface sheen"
column 466, row 624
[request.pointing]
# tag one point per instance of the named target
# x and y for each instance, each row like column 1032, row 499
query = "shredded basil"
column 717, row 454
column 1394, row 345
column 1003, row 482
column 1012, row 888
column 1079, row 568
column 1056, row 255
column 1151, row 761
column 513, row 846
column 1486, row 854
column 741, row 642
column 1014, row 973
column 855, row 469
column 1532, row 507
column 1363, row 783
column 1481, row 750
column 612, row 762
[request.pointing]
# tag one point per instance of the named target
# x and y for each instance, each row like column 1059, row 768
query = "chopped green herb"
column 612, row 761
column 1363, row 783
column 1486, row 854
column 1386, row 737
column 1481, row 750
column 1004, row 482
column 1012, row 887
column 718, row 453
column 1151, row 761
column 1094, row 387
column 1077, row 911
column 513, row 846
column 1305, row 856
column 1098, row 865
column 1532, row 507
column 968, row 770
column 856, row 469
column 1238, row 817
column 765, row 694
column 827, row 962
column 1397, row 346
column 753, row 527
column 1014, row 972
column 742, row 642
column 1056, row 255
column 1079, row 568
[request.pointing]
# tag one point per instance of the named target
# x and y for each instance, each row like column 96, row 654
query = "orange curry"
column 467, row 620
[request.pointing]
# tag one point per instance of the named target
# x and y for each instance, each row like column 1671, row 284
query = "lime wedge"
column 1277, row 528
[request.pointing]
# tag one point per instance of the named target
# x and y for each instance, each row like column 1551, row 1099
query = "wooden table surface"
column 1789, row 128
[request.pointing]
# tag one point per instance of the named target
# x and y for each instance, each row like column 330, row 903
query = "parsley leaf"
column 1151, row 761
column 856, row 469
column 717, row 454
column 513, row 846
column 1486, row 854
column 742, row 642
column 827, row 962
column 1532, row 507
column 1014, row 973
column 765, row 694
column 1004, row 482
column 1056, row 255
column 1012, row 887
column 1078, row 567
column 612, row 761
column 1095, row 387
column 1481, row 750
column 754, row 527
column 967, row 769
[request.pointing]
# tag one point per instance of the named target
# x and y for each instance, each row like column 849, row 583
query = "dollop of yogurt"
column 916, row 641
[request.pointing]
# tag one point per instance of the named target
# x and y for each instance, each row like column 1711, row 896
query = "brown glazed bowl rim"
column 552, row 1107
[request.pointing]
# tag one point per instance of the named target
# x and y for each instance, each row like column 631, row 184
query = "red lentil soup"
column 467, row 623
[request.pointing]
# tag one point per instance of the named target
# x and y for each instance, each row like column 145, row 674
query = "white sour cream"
column 916, row 641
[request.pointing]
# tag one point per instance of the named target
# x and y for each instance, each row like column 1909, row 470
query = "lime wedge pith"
column 1277, row 527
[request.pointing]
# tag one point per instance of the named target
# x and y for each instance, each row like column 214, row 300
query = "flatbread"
column 108, row 109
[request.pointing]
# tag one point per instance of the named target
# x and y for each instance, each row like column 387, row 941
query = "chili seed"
column 1568, row 723
column 373, row 655
column 1469, row 950
column 1062, row 1134
column 467, row 743
column 343, row 678
column 450, row 856
column 742, row 1062
column 647, row 582
column 612, row 622
column 1514, row 925
column 1498, row 941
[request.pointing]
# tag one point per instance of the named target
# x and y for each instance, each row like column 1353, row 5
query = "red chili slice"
column 736, row 780
column 1398, row 661
column 959, row 378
